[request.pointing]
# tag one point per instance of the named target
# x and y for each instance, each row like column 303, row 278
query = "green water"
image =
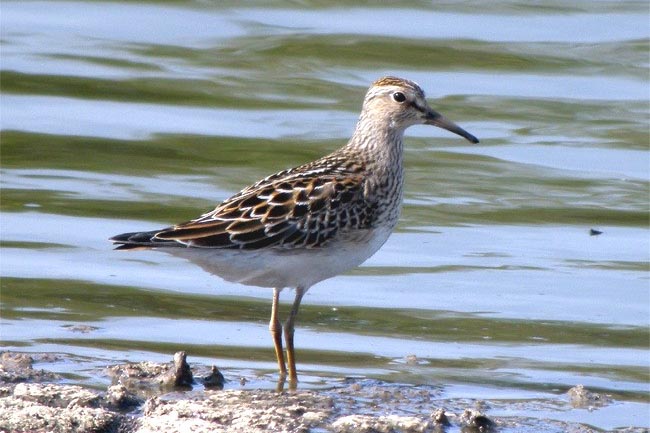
column 124, row 116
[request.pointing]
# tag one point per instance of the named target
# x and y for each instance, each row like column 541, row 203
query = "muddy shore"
column 177, row 397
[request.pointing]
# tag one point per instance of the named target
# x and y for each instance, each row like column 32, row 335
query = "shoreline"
column 149, row 397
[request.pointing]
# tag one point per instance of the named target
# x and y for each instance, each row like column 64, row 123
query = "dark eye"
column 399, row 97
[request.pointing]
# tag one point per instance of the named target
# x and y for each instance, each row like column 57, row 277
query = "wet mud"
column 173, row 397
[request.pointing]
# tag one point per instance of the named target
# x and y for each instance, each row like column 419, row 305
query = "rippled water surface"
column 123, row 116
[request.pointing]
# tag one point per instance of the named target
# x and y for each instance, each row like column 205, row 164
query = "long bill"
column 437, row 119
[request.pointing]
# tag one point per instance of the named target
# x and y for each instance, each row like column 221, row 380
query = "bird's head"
column 401, row 103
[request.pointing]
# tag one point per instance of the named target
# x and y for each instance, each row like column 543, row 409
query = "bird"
column 306, row 224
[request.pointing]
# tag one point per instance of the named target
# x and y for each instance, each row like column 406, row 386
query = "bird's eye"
column 399, row 97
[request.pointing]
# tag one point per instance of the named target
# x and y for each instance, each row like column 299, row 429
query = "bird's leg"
column 288, row 337
column 276, row 333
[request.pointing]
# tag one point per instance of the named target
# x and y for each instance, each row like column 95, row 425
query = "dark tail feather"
column 139, row 240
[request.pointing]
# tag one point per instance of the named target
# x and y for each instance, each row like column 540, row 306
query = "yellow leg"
column 276, row 333
column 288, row 337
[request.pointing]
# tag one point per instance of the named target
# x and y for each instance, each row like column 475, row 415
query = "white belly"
column 286, row 268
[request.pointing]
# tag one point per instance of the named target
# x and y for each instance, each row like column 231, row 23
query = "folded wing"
column 303, row 212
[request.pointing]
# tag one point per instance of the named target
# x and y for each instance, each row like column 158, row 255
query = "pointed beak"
column 437, row 119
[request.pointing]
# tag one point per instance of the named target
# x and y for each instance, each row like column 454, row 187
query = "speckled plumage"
column 304, row 207
column 302, row 225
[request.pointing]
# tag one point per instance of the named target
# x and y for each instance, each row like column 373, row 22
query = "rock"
column 56, row 395
column 411, row 360
column 381, row 424
column 236, row 411
column 581, row 398
column 16, row 361
column 476, row 420
column 140, row 370
column 119, row 398
column 214, row 380
column 440, row 418
column 147, row 379
column 180, row 375
column 55, row 409
column 18, row 367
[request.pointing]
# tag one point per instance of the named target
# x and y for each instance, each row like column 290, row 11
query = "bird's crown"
column 398, row 82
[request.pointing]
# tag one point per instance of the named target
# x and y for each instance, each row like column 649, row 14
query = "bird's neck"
column 378, row 141
column 380, row 147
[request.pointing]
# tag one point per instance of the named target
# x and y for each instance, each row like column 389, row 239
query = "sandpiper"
column 306, row 224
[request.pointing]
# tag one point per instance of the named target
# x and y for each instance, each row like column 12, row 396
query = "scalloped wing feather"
column 286, row 210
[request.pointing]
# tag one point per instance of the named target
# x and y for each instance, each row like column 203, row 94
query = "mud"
column 164, row 398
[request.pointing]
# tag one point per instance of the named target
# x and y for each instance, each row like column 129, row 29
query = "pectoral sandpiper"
column 306, row 224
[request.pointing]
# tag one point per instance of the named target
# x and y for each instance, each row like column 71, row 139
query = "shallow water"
column 122, row 116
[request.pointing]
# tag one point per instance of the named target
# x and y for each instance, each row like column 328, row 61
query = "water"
column 131, row 116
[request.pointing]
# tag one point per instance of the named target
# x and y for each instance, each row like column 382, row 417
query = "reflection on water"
column 121, row 116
